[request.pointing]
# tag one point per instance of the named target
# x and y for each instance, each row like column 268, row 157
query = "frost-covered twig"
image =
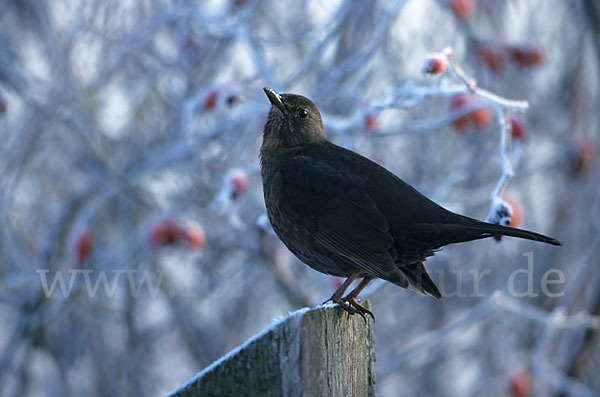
column 435, row 339
column 332, row 28
column 505, row 138
column 499, row 301
column 471, row 84
column 358, row 59
column 503, row 105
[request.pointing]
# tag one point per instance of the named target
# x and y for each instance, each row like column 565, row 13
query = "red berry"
column 210, row 100
column 463, row 9
column 434, row 64
column 84, row 245
column 526, row 56
column 194, row 235
column 491, row 55
column 482, row 118
column 457, row 102
column 501, row 213
column 516, row 218
column 371, row 123
column 520, row 384
column 517, row 128
column 237, row 181
column 165, row 232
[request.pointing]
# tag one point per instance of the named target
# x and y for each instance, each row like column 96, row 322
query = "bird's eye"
column 303, row 113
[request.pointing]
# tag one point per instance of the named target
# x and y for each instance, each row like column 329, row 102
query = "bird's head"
column 293, row 121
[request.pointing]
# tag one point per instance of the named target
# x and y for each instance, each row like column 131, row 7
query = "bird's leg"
column 351, row 298
column 337, row 296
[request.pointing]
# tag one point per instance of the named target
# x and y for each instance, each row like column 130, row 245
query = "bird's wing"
column 335, row 210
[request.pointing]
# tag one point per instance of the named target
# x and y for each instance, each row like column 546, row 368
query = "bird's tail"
column 483, row 230
column 415, row 276
column 419, row 281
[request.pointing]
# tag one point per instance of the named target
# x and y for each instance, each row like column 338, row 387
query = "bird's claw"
column 357, row 307
column 351, row 310
column 351, row 307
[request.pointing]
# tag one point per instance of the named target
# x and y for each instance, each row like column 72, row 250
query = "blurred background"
column 134, row 247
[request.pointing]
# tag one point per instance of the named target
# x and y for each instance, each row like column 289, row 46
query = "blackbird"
column 344, row 215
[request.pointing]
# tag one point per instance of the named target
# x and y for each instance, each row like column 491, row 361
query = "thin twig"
column 505, row 139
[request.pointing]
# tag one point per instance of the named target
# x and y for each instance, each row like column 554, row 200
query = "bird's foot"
column 352, row 307
column 349, row 308
column 350, row 300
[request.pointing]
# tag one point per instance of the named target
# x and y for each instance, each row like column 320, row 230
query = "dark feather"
column 343, row 214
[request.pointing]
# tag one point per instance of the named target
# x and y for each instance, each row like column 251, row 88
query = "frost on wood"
column 311, row 352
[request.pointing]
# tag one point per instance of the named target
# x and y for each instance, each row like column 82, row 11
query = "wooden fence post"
column 311, row 352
